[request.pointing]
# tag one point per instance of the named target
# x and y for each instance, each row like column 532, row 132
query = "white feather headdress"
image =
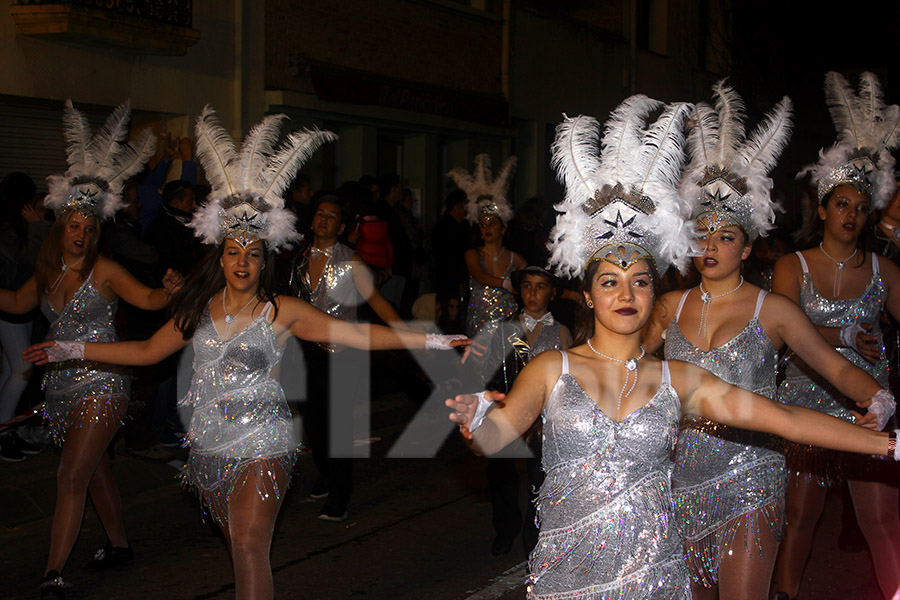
column 622, row 203
column 486, row 194
column 867, row 131
column 98, row 164
column 726, row 181
column 245, row 202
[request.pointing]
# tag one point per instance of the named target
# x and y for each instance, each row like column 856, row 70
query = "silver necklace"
column 706, row 298
column 229, row 319
column 63, row 270
column 839, row 271
column 631, row 366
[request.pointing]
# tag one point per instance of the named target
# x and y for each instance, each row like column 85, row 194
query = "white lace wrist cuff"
column 849, row 333
column 883, row 405
column 437, row 341
column 480, row 411
column 61, row 351
column 895, row 447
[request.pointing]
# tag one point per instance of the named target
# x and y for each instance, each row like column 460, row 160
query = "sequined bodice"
column 336, row 292
column 87, row 317
column 488, row 305
column 837, row 313
column 583, row 444
column 748, row 360
column 243, row 361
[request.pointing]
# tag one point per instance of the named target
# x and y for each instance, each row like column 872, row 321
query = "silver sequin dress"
column 489, row 305
column 241, row 425
column 726, row 477
column 804, row 387
column 605, row 508
column 80, row 392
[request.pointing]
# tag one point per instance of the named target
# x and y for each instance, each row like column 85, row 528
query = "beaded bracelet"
column 892, row 445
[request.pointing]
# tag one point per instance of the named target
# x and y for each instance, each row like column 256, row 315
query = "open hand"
column 464, row 407
column 37, row 354
column 868, row 345
column 867, row 420
column 172, row 281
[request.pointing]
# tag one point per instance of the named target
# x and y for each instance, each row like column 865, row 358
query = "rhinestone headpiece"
column 486, row 194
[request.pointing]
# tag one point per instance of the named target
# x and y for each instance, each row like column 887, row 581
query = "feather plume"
column 769, row 139
column 503, row 177
column 841, row 103
column 462, row 178
column 106, row 144
column 257, row 148
column 287, row 161
column 890, row 137
column 622, row 137
column 662, row 148
column 575, row 155
column 131, row 159
column 730, row 107
column 703, row 134
column 216, row 152
column 482, row 172
column 77, row 132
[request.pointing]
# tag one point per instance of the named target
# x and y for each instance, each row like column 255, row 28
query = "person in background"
column 149, row 191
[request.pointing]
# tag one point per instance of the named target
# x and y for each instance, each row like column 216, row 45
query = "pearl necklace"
column 838, row 272
column 706, row 298
column 631, row 365
column 229, row 319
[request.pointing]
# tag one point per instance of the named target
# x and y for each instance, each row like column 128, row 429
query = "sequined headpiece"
column 486, row 194
column 245, row 202
column 867, row 131
column 726, row 182
column 98, row 164
column 621, row 203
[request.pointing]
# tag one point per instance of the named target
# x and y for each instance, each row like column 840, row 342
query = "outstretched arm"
column 22, row 300
column 706, row 395
column 478, row 274
column 166, row 341
column 511, row 418
column 362, row 277
column 309, row 323
column 113, row 275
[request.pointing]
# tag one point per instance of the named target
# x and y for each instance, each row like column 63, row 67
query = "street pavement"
column 418, row 528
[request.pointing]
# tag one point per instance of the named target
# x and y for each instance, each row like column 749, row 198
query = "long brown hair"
column 49, row 259
column 191, row 302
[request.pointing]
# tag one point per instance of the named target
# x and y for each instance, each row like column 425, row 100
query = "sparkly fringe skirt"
column 623, row 549
column 80, row 393
column 720, row 484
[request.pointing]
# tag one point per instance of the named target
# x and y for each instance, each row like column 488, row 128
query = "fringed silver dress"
column 241, row 426
column 79, row 392
column 488, row 305
column 804, row 387
column 605, row 508
column 727, row 477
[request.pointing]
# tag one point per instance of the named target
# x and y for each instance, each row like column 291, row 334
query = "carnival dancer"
column 77, row 290
column 491, row 295
column 611, row 411
column 241, row 437
column 517, row 340
column 728, row 484
column 333, row 278
column 843, row 288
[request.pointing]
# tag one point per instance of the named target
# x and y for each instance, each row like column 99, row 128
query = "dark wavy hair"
column 191, row 302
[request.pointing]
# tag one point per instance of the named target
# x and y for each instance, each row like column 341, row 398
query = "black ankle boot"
column 781, row 596
column 52, row 587
column 109, row 557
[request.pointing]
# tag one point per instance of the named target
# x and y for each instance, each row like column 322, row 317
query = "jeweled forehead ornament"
column 245, row 203
column 99, row 164
column 867, row 132
column 726, row 181
column 486, row 194
column 621, row 203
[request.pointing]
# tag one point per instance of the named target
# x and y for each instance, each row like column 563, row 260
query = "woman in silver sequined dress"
column 837, row 295
column 241, row 437
column 843, row 289
column 77, row 291
column 729, row 483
